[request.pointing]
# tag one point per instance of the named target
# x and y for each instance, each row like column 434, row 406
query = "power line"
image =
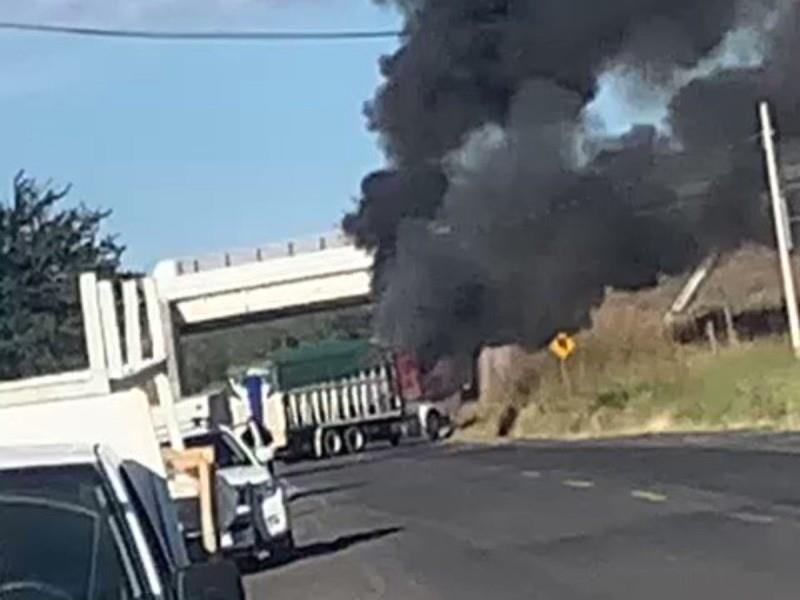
column 254, row 35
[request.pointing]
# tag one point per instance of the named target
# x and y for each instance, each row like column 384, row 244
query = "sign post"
column 563, row 346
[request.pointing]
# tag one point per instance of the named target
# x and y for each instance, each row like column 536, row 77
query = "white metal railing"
column 366, row 395
column 243, row 256
column 110, row 369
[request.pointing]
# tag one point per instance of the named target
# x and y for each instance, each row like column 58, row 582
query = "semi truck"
column 336, row 397
column 324, row 399
column 332, row 397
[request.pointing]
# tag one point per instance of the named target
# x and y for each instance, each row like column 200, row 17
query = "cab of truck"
column 435, row 395
column 77, row 523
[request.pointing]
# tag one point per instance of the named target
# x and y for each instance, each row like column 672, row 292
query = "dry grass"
column 628, row 377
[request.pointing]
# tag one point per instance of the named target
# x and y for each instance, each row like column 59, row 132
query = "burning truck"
column 336, row 397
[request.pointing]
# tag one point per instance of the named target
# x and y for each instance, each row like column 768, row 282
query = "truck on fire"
column 338, row 396
column 333, row 397
column 324, row 399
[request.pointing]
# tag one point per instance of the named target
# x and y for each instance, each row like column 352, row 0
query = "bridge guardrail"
column 243, row 256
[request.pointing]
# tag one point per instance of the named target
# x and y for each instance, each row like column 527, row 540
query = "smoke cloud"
column 514, row 198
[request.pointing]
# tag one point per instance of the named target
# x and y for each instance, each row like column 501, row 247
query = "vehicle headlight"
column 274, row 511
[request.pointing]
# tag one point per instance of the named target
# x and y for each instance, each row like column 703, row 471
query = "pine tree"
column 44, row 247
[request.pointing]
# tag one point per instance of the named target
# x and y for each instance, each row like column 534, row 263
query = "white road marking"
column 649, row 496
column 580, row 484
column 748, row 517
column 531, row 474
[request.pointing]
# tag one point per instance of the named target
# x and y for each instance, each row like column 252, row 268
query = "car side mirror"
column 218, row 580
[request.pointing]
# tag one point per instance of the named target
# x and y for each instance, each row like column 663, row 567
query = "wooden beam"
column 692, row 286
column 198, row 463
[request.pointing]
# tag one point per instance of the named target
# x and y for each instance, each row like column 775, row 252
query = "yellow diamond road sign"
column 563, row 346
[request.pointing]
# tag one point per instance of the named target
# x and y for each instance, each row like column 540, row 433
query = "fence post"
column 711, row 334
column 730, row 326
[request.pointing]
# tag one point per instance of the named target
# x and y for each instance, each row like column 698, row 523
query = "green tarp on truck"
column 325, row 361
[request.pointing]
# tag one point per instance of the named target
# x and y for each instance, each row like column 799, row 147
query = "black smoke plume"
column 506, row 212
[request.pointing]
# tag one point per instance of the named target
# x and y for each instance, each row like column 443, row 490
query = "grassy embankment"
column 628, row 377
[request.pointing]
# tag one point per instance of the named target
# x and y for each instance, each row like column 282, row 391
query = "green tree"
column 43, row 249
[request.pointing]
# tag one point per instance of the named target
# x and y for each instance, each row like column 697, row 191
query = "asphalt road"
column 673, row 518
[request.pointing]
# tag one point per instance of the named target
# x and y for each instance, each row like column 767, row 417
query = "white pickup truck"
column 260, row 525
column 77, row 523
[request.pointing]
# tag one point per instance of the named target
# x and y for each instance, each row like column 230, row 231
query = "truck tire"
column 433, row 425
column 331, row 442
column 354, row 440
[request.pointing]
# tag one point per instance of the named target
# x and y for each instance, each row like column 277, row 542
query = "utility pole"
column 781, row 217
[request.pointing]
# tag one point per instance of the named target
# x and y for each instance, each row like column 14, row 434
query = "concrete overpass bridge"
column 256, row 284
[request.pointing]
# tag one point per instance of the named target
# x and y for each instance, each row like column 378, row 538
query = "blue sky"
column 194, row 146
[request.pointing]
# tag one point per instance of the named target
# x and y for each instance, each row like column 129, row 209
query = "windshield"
column 56, row 537
column 226, row 452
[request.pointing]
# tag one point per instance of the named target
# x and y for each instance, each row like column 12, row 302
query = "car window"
column 57, row 540
column 226, row 451
column 229, row 453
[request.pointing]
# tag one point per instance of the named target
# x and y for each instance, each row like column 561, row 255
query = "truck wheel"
column 433, row 425
column 331, row 442
column 354, row 440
